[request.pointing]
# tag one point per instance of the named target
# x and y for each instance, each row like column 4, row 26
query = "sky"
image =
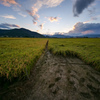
column 68, row 17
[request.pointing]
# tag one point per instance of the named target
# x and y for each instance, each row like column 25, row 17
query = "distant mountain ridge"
column 22, row 32
column 70, row 36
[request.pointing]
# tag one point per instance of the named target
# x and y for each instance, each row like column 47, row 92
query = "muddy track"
column 58, row 78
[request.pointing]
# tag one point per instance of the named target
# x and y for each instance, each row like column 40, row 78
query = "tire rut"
column 67, row 78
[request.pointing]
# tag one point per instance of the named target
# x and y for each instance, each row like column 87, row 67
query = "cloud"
column 38, row 30
column 8, row 3
column 39, row 4
column 33, row 14
column 53, row 3
column 92, row 19
column 52, row 19
column 30, row 6
column 58, row 33
column 8, row 17
column 81, row 28
column 80, row 5
column 22, row 15
column 47, row 3
column 92, row 11
column 88, row 32
column 41, row 26
column 35, row 23
column 8, row 26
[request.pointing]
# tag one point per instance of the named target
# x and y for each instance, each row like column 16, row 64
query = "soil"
column 57, row 78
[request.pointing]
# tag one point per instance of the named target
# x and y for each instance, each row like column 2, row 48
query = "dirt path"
column 59, row 78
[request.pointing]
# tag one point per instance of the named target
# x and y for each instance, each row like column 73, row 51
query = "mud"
column 58, row 78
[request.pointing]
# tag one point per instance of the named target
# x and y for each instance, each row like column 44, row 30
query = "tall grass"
column 18, row 55
column 87, row 49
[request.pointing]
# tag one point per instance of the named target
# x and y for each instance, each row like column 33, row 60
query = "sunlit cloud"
column 8, row 26
column 8, row 17
column 23, row 15
column 8, row 3
column 47, row 3
column 41, row 26
column 38, row 30
column 33, row 14
column 32, row 7
column 88, row 32
column 81, row 28
column 53, row 3
column 35, row 23
column 52, row 19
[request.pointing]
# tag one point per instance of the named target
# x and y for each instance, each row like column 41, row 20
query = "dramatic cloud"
column 81, row 28
column 8, row 26
column 8, row 3
column 41, row 26
column 39, row 4
column 8, row 17
column 52, row 19
column 31, row 7
column 80, row 5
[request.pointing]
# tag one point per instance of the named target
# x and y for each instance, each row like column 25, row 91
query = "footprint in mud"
column 71, row 82
column 55, row 90
column 94, row 91
column 54, row 64
column 85, row 95
column 51, row 85
column 57, row 79
column 95, row 79
column 81, row 81
column 69, row 71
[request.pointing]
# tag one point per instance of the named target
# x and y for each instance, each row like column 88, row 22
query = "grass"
column 87, row 49
column 18, row 55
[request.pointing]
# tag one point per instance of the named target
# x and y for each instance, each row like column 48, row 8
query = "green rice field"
column 18, row 55
column 87, row 49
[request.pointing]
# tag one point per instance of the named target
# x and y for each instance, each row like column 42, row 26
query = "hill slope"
column 19, row 33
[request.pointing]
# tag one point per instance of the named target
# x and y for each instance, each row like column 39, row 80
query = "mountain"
column 22, row 32
column 92, row 35
column 59, row 36
column 68, row 36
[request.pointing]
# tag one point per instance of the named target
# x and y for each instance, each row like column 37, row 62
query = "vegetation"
column 18, row 55
column 86, row 49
